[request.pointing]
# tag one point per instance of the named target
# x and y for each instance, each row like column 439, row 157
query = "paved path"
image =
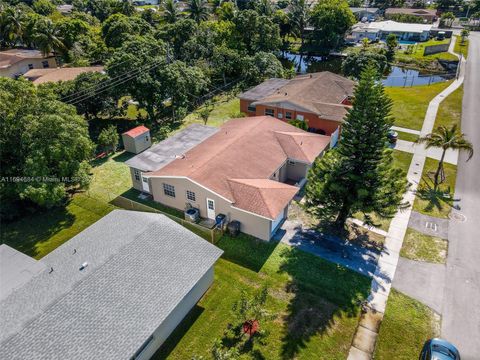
column 405, row 130
column 429, row 225
column 387, row 263
column 360, row 259
column 422, row 281
column 461, row 304
column 451, row 156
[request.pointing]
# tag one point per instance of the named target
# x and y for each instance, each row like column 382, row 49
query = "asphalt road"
column 461, row 301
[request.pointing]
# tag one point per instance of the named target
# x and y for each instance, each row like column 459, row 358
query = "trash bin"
column 233, row 228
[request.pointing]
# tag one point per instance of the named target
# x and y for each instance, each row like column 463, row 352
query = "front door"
column 210, row 209
column 145, row 185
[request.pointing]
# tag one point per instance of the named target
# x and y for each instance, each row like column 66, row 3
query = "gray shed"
column 137, row 139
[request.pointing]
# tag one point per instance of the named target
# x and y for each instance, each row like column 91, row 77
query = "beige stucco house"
column 16, row 62
column 137, row 139
column 249, row 170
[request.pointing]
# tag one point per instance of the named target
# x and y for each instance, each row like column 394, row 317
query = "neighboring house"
column 321, row 99
column 249, row 170
column 137, row 139
column 65, row 9
column 115, row 291
column 41, row 76
column 428, row 15
column 361, row 13
column 380, row 30
column 16, row 62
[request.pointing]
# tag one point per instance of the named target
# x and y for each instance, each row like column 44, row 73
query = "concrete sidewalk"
column 451, row 156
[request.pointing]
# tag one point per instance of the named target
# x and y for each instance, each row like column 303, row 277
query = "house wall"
column 177, row 315
column 129, row 144
column 142, row 142
column 21, row 67
column 250, row 223
column 136, row 184
column 296, row 170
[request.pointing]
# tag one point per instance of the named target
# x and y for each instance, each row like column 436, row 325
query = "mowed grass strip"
column 450, row 110
column 461, row 48
column 315, row 302
column 406, row 326
column 410, row 103
column 422, row 247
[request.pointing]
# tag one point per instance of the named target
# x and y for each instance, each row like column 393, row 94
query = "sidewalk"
column 364, row 340
column 451, row 156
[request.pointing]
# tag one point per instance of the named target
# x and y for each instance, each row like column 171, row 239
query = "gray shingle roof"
column 140, row 266
column 165, row 151
column 266, row 88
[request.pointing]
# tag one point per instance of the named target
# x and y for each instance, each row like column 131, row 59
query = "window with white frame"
column 270, row 112
column 280, row 115
column 136, row 173
column 190, row 195
column 169, row 190
column 300, row 117
column 288, row 115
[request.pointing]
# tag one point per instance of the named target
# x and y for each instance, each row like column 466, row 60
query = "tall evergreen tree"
column 358, row 175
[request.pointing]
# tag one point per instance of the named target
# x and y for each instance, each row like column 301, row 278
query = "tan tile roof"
column 418, row 12
column 321, row 93
column 40, row 76
column 247, row 148
column 12, row 56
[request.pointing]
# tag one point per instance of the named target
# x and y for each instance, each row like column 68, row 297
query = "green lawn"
column 315, row 303
column 461, row 48
column 419, row 49
column 450, row 110
column 421, row 247
column 433, row 204
column 406, row 326
column 40, row 233
column 402, row 160
column 407, row 136
column 225, row 108
column 410, row 104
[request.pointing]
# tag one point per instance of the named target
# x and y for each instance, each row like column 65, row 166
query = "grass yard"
column 225, row 108
column 407, row 136
column 419, row 49
column 406, row 326
column 315, row 302
column 40, row 233
column 402, row 160
column 410, row 104
column 421, row 247
column 450, row 110
column 436, row 204
column 461, row 48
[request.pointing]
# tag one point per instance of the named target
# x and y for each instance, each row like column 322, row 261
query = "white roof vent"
column 83, row 266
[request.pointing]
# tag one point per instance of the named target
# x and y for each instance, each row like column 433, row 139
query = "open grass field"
column 410, row 103
column 421, row 247
column 225, row 108
column 461, row 48
column 315, row 304
column 440, row 203
column 406, row 326
column 419, row 49
column 450, row 110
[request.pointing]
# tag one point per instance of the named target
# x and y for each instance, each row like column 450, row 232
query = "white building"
column 380, row 30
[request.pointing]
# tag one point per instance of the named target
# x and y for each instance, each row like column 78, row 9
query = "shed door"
column 277, row 221
column 145, row 185
column 210, row 209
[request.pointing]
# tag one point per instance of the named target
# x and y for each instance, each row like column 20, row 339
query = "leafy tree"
column 265, row 7
column 47, row 37
column 118, row 27
column 42, row 140
column 385, row 4
column 358, row 175
column 330, row 20
column 252, row 308
column 226, row 11
column 256, row 32
column 205, row 111
column 177, row 35
column 43, row 7
column 283, row 21
column 447, row 19
column 198, row 10
column 357, row 61
column 406, row 18
column 11, row 25
column 446, row 138
column 219, row 352
column 392, row 44
column 299, row 124
column 299, row 18
column 170, row 11
column 260, row 67
column 445, row 4
column 108, row 139
column 226, row 63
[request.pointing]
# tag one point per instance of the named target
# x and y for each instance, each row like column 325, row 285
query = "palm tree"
column 171, row 13
column 198, row 10
column 47, row 38
column 464, row 35
column 265, row 7
column 446, row 138
column 299, row 14
column 11, row 26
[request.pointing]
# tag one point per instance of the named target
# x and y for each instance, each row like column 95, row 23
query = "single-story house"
column 428, row 15
column 115, row 291
column 248, row 170
column 41, row 76
column 381, row 29
column 368, row 13
column 321, row 99
column 137, row 139
column 65, row 9
column 16, row 62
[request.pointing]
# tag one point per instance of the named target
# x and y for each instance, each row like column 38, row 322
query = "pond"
column 397, row 76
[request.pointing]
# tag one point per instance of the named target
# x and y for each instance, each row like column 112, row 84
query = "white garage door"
column 277, row 221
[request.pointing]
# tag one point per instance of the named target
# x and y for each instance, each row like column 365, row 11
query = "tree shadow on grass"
column 246, row 251
column 169, row 345
column 321, row 293
column 436, row 199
